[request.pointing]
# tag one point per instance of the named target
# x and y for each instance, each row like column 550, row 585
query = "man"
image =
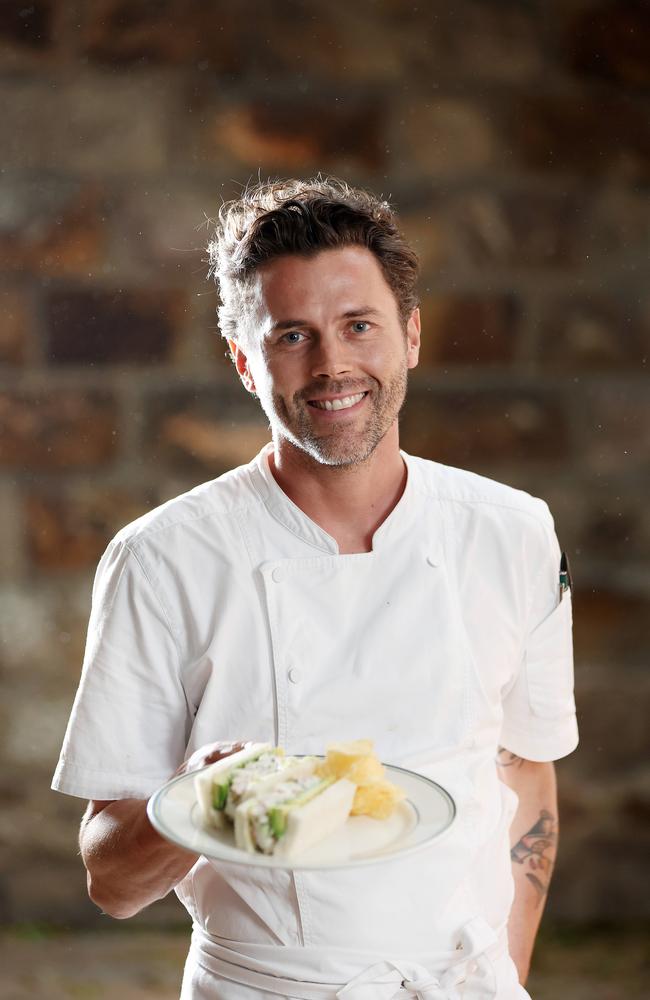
column 334, row 588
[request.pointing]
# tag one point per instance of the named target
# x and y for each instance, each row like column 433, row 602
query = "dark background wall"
column 513, row 138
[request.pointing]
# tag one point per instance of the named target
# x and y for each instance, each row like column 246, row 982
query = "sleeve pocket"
column 549, row 664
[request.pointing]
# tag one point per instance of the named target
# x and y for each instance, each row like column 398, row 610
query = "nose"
column 330, row 358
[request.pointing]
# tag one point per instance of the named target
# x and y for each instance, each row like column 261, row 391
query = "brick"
column 12, row 563
column 112, row 327
column 599, row 876
column 32, row 735
column 611, row 426
column 615, row 525
column 486, row 41
column 43, row 626
column 25, row 30
column 530, row 227
column 70, row 528
column 158, row 235
column 15, row 323
column 609, row 41
column 426, row 230
column 609, row 790
column 444, row 136
column 304, row 38
column 53, row 228
column 515, row 229
column 469, row 329
column 597, row 518
column 617, row 230
column 57, row 429
column 469, row 40
column 594, row 332
column 308, row 39
column 297, row 134
column 608, row 136
column 170, row 220
column 483, row 429
column 177, row 32
column 95, row 123
column 206, row 431
column 625, row 692
column 610, row 626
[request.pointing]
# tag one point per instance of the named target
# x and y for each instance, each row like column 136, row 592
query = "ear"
column 241, row 364
column 413, row 331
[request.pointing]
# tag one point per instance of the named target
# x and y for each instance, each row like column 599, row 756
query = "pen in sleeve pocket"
column 565, row 575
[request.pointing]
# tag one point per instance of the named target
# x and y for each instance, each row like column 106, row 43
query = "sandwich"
column 294, row 813
column 281, row 805
column 222, row 786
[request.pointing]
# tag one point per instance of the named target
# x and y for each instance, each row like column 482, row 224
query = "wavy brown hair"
column 277, row 218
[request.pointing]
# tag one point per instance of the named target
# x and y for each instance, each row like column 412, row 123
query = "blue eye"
column 293, row 337
column 360, row 326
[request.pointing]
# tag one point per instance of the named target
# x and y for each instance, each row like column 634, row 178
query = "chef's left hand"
column 210, row 753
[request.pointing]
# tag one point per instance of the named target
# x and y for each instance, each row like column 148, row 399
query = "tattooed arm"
column 533, row 840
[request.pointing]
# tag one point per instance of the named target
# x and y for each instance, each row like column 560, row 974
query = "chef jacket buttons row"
column 294, row 675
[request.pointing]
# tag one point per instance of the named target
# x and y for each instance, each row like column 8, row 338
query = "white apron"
column 355, row 654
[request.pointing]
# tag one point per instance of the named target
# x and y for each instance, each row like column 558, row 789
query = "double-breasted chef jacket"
column 228, row 614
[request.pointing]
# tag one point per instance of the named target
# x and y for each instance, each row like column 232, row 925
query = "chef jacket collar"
column 284, row 510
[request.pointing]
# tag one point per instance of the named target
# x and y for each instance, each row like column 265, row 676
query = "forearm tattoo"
column 535, row 850
column 506, row 759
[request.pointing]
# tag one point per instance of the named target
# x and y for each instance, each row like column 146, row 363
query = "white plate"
column 426, row 813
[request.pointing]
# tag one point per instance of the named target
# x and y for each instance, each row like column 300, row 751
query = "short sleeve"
column 539, row 716
column 130, row 719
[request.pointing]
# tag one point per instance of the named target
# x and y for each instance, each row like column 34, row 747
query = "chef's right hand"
column 210, row 753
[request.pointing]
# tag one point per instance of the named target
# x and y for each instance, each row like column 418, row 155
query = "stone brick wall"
column 513, row 137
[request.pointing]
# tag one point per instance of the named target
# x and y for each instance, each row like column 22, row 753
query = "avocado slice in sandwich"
column 293, row 815
column 212, row 784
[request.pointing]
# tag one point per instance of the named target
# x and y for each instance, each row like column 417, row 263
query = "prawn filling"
column 228, row 793
column 267, row 814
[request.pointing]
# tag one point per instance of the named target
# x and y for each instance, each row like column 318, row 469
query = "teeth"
column 339, row 404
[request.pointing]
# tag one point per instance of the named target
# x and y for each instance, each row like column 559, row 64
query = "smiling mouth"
column 343, row 403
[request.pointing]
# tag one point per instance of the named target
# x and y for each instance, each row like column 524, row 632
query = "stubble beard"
column 343, row 446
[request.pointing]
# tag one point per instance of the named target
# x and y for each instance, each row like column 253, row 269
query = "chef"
column 334, row 588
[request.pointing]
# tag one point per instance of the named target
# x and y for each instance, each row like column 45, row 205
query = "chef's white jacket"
column 228, row 614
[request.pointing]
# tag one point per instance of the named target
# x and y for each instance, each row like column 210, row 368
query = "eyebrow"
column 288, row 324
